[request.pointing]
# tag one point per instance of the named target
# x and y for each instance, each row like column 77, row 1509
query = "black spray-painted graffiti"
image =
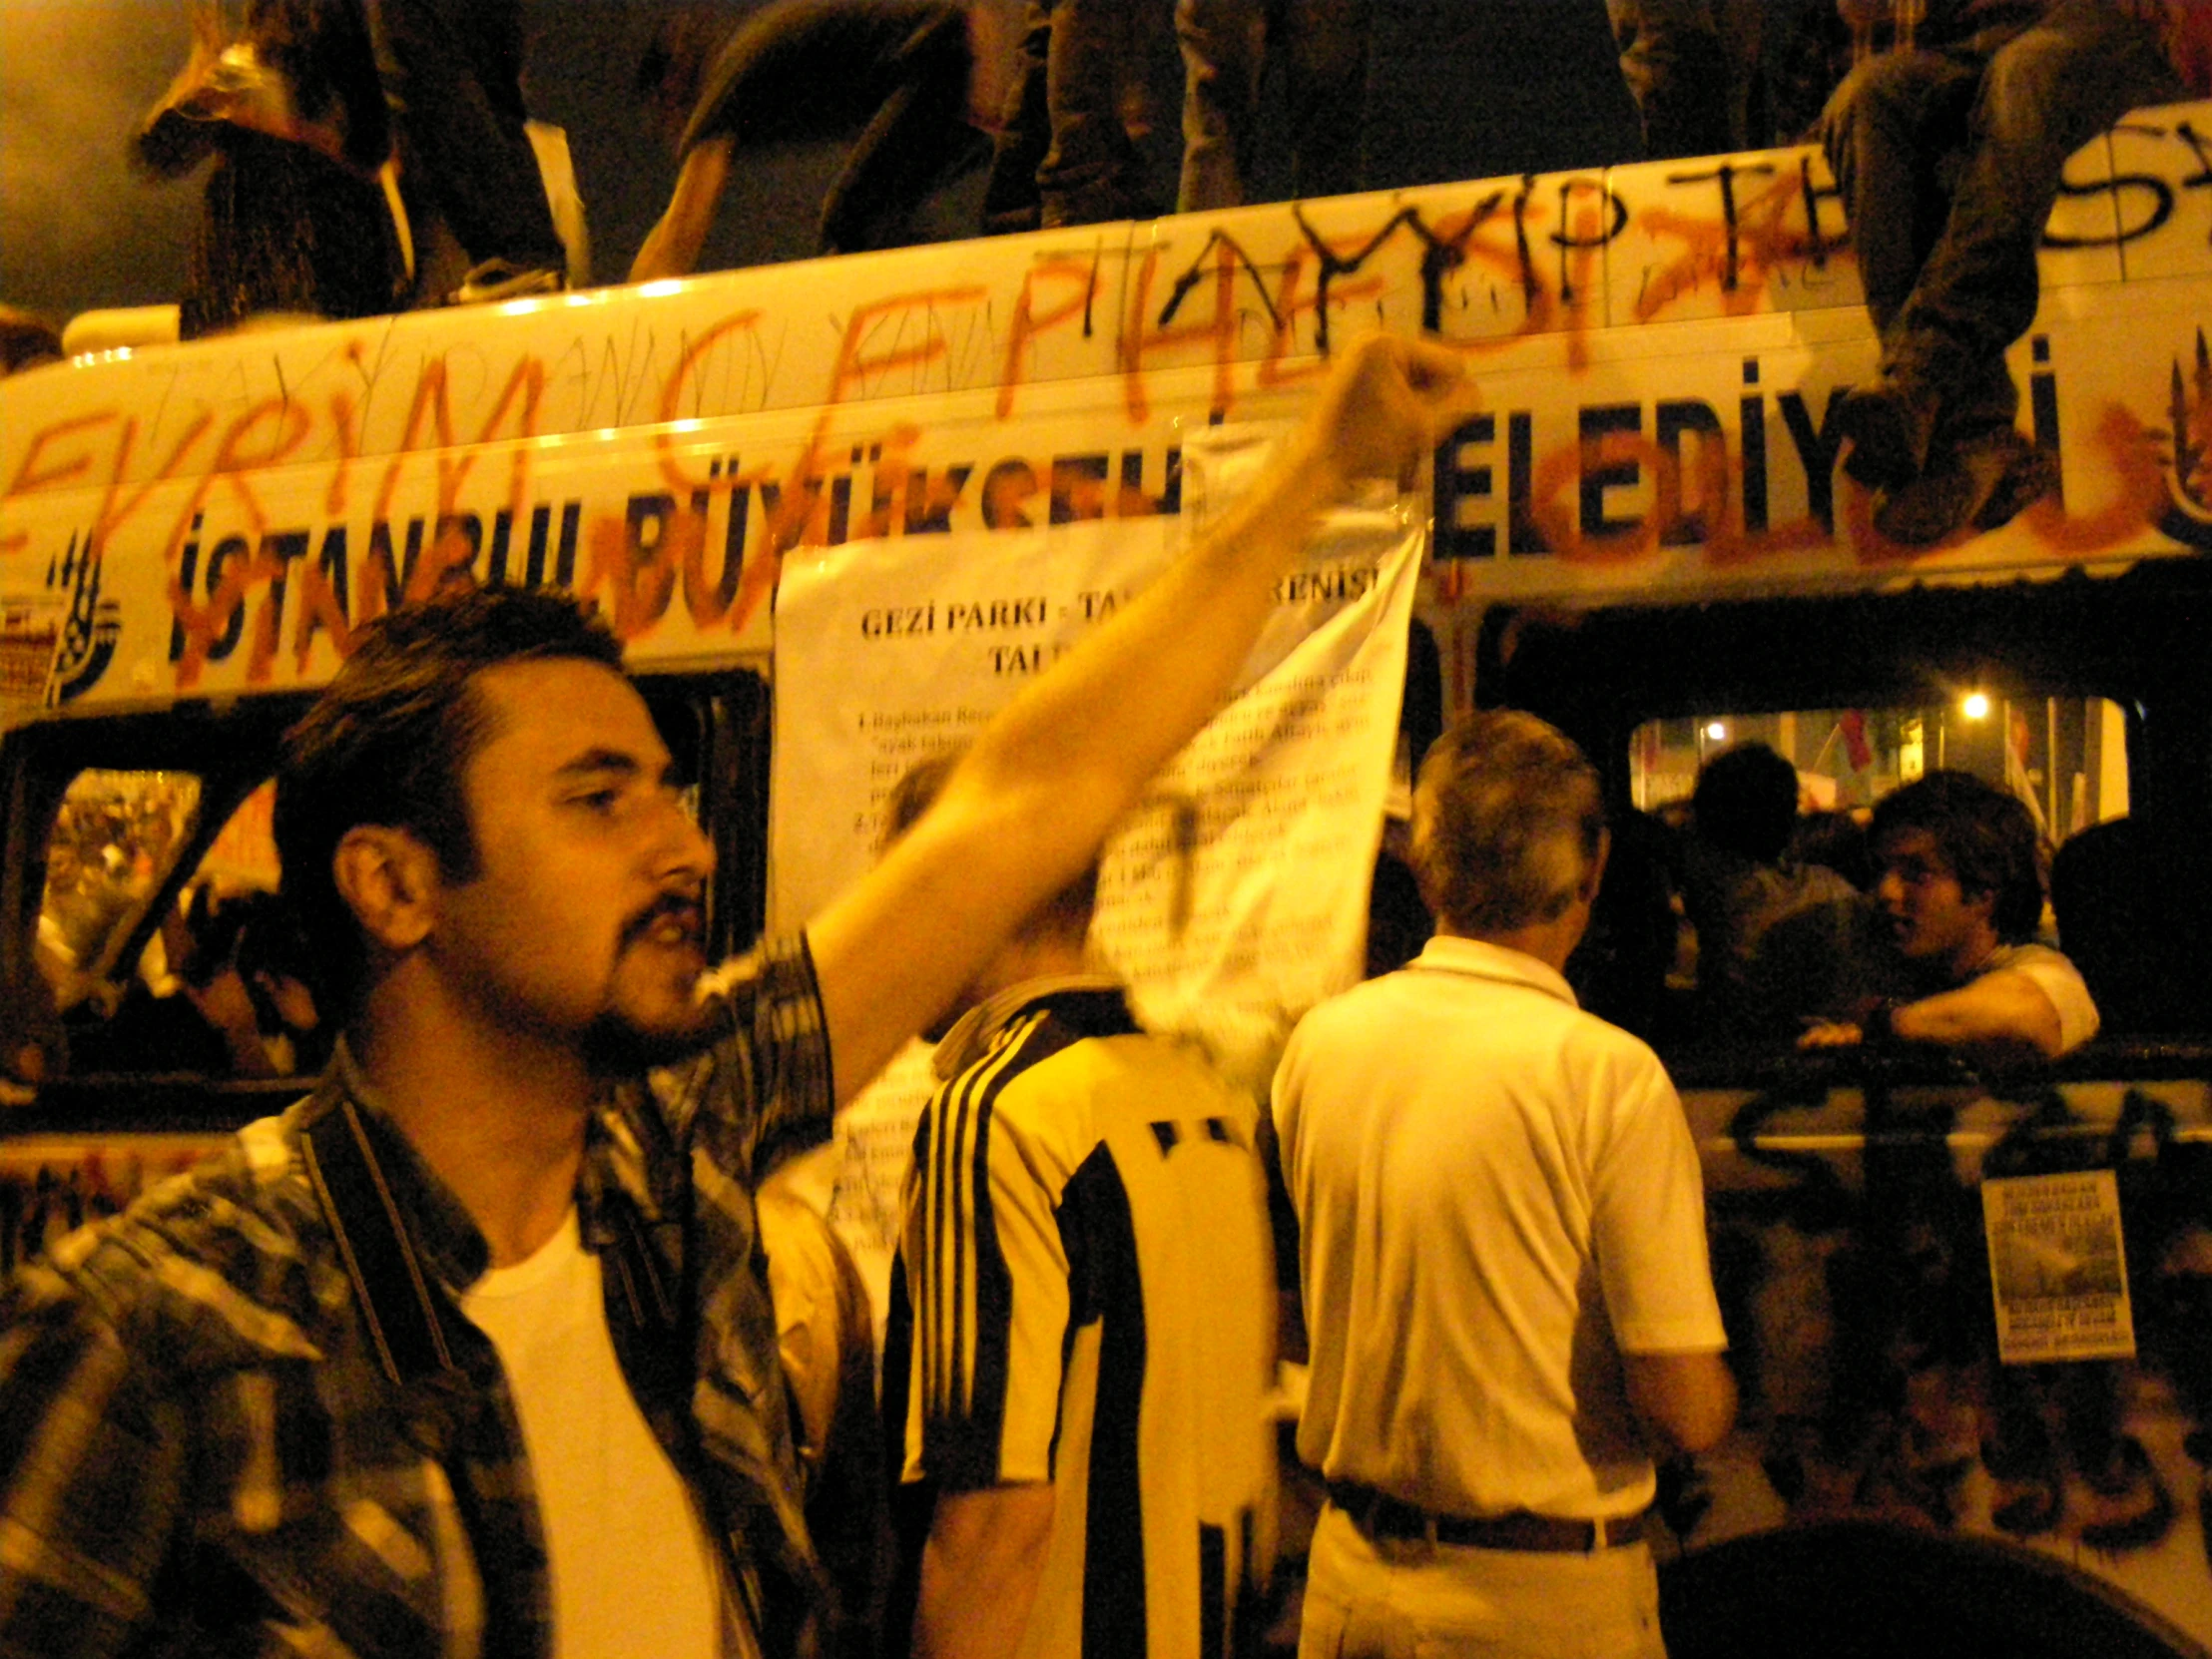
column 1863, row 1328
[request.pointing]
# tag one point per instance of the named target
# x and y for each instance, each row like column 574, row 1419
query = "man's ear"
column 1596, row 875
column 1982, row 902
column 388, row 879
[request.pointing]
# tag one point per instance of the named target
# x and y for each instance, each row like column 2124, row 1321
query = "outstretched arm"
column 1047, row 778
column 2006, row 1014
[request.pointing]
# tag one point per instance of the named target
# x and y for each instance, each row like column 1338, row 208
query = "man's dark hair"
column 1746, row 802
column 390, row 741
column 1066, row 911
column 1984, row 835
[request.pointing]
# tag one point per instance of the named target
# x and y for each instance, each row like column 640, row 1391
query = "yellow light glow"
column 1717, row 732
column 1975, row 705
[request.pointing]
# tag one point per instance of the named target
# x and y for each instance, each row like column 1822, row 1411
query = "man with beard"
column 1963, row 894
column 469, row 1352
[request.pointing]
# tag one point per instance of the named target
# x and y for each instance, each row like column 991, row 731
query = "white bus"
column 1646, row 537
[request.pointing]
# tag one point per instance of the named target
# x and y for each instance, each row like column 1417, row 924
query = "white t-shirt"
column 2057, row 978
column 634, row 1573
column 1498, row 1194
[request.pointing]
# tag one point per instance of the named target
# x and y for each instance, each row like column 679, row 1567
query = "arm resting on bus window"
column 672, row 247
column 1044, row 782
column 980, row 1570
column 1687, row 1400
column 2005, row 1009
column 2005, row 1012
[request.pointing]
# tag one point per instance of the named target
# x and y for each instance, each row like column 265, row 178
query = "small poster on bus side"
column 2058, row 1268
column 30, row 631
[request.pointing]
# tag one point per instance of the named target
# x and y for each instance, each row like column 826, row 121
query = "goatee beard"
column 615, row 1047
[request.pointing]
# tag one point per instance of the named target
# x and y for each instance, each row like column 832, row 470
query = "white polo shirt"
column 1497, row 1193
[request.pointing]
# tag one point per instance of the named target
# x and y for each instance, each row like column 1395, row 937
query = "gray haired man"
column 1503, row 1250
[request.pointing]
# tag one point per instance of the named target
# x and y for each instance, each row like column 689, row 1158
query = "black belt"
column 1380, row 1517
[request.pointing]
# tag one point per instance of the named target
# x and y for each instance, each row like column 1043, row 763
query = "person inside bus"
column 275, row 965
column 1949, row 150
column 222, row 991
column 1775, row 940
column 892, row 76
column 1961, row 890
column 469, row 1351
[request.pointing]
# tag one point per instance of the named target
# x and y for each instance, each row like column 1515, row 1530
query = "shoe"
column 1922, row 512
column 1889, row 428
column 496, row 280
column 2026, row 1507
column 1101, row 203
column 1983, row 481
column 2028, row 473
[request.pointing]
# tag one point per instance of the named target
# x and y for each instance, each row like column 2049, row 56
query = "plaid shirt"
column 247, row 1417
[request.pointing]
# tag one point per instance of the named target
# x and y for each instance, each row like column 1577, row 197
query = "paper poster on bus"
column 1234, row 896
column 30, row 631
column 2058, row 1268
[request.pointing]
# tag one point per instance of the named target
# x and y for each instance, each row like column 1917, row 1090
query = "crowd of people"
column 486, row 1346
column 1933, row 941
column 489, row 1344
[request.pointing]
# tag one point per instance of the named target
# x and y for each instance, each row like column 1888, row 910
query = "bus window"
column 1774, row 924
column 2065, row 758
column 220, row 989
column 114, row 839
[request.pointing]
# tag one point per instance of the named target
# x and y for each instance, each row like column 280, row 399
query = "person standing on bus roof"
column 1503, row 1255
column 1322, row 47
column 468, row 1353
column 1949, row 148
column 453, row 72
column 892, row 76
column 1693, row 68
column 1064, row 155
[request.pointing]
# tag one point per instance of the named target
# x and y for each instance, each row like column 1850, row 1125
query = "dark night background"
column 1457, row 89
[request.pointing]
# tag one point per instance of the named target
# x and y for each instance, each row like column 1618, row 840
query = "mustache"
column 686, row 907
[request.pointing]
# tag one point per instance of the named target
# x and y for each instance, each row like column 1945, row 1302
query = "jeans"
column 1950, row 164
column 893, row 72
column 1693, row 68
column 1063, row 156
column 454, row 68
column 1323, row 44
column 1420, row 1601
